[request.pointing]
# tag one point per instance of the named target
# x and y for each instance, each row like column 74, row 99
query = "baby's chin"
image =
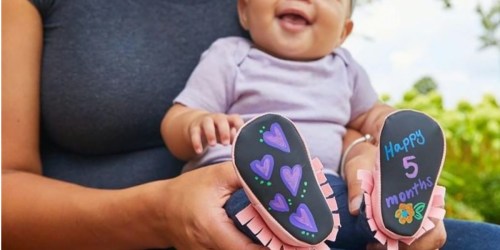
column 295, row 49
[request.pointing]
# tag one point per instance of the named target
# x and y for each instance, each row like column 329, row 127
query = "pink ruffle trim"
column 251, row 218
column 436, row 212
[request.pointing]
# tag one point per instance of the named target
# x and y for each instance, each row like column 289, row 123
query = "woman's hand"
column 195, row 217
column 363, row 156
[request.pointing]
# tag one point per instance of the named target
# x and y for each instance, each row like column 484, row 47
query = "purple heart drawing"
column 264, row 167
column 291, row 177
column 276, row 138
column 303, row 219
column 279, row 203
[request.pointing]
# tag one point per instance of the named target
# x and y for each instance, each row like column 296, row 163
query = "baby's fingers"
column 235, row 122
column 195, row 133
column 223, row 129
column 209, row 130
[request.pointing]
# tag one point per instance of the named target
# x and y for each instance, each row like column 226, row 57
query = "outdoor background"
column 442, row 57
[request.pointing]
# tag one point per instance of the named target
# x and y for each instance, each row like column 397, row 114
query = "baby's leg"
column 353, row 234
column 237, row 202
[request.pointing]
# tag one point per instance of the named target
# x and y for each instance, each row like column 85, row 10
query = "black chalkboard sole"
column 402, row 193
column 291, row 202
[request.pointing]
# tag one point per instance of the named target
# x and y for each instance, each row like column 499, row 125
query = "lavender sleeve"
column 211, row 84
column 363, row 96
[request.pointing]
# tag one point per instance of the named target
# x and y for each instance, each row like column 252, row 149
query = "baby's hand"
column 214, row 128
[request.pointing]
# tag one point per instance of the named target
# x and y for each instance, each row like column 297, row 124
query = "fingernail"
column 355, row 203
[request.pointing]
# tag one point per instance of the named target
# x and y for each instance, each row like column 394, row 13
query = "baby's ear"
column 242, row 13
column 348, row 26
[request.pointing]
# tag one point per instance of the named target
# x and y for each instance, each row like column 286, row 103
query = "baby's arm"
column 371, row 121
column 186, row 131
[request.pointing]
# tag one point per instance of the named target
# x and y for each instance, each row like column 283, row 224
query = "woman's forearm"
column 41, row 213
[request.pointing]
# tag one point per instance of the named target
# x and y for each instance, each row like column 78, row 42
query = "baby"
column 294, row 66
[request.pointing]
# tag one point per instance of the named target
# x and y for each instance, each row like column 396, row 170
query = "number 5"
column 408, row 164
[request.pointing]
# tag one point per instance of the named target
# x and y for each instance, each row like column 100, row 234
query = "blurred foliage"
column 447, row 3
column 425, row 85
column 490, row 20
column 471, row 173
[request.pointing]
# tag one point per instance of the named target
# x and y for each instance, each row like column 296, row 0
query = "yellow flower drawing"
column 405, row 213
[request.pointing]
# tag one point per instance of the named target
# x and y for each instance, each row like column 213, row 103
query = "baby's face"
column 296, row 29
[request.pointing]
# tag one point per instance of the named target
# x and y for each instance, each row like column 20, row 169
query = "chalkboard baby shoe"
column 292, row 204
column 401, row 194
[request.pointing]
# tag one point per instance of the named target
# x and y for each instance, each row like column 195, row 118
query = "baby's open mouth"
column 294, row 19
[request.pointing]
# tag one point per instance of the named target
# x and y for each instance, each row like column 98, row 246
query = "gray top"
column 320, row 96
column 110, row 71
